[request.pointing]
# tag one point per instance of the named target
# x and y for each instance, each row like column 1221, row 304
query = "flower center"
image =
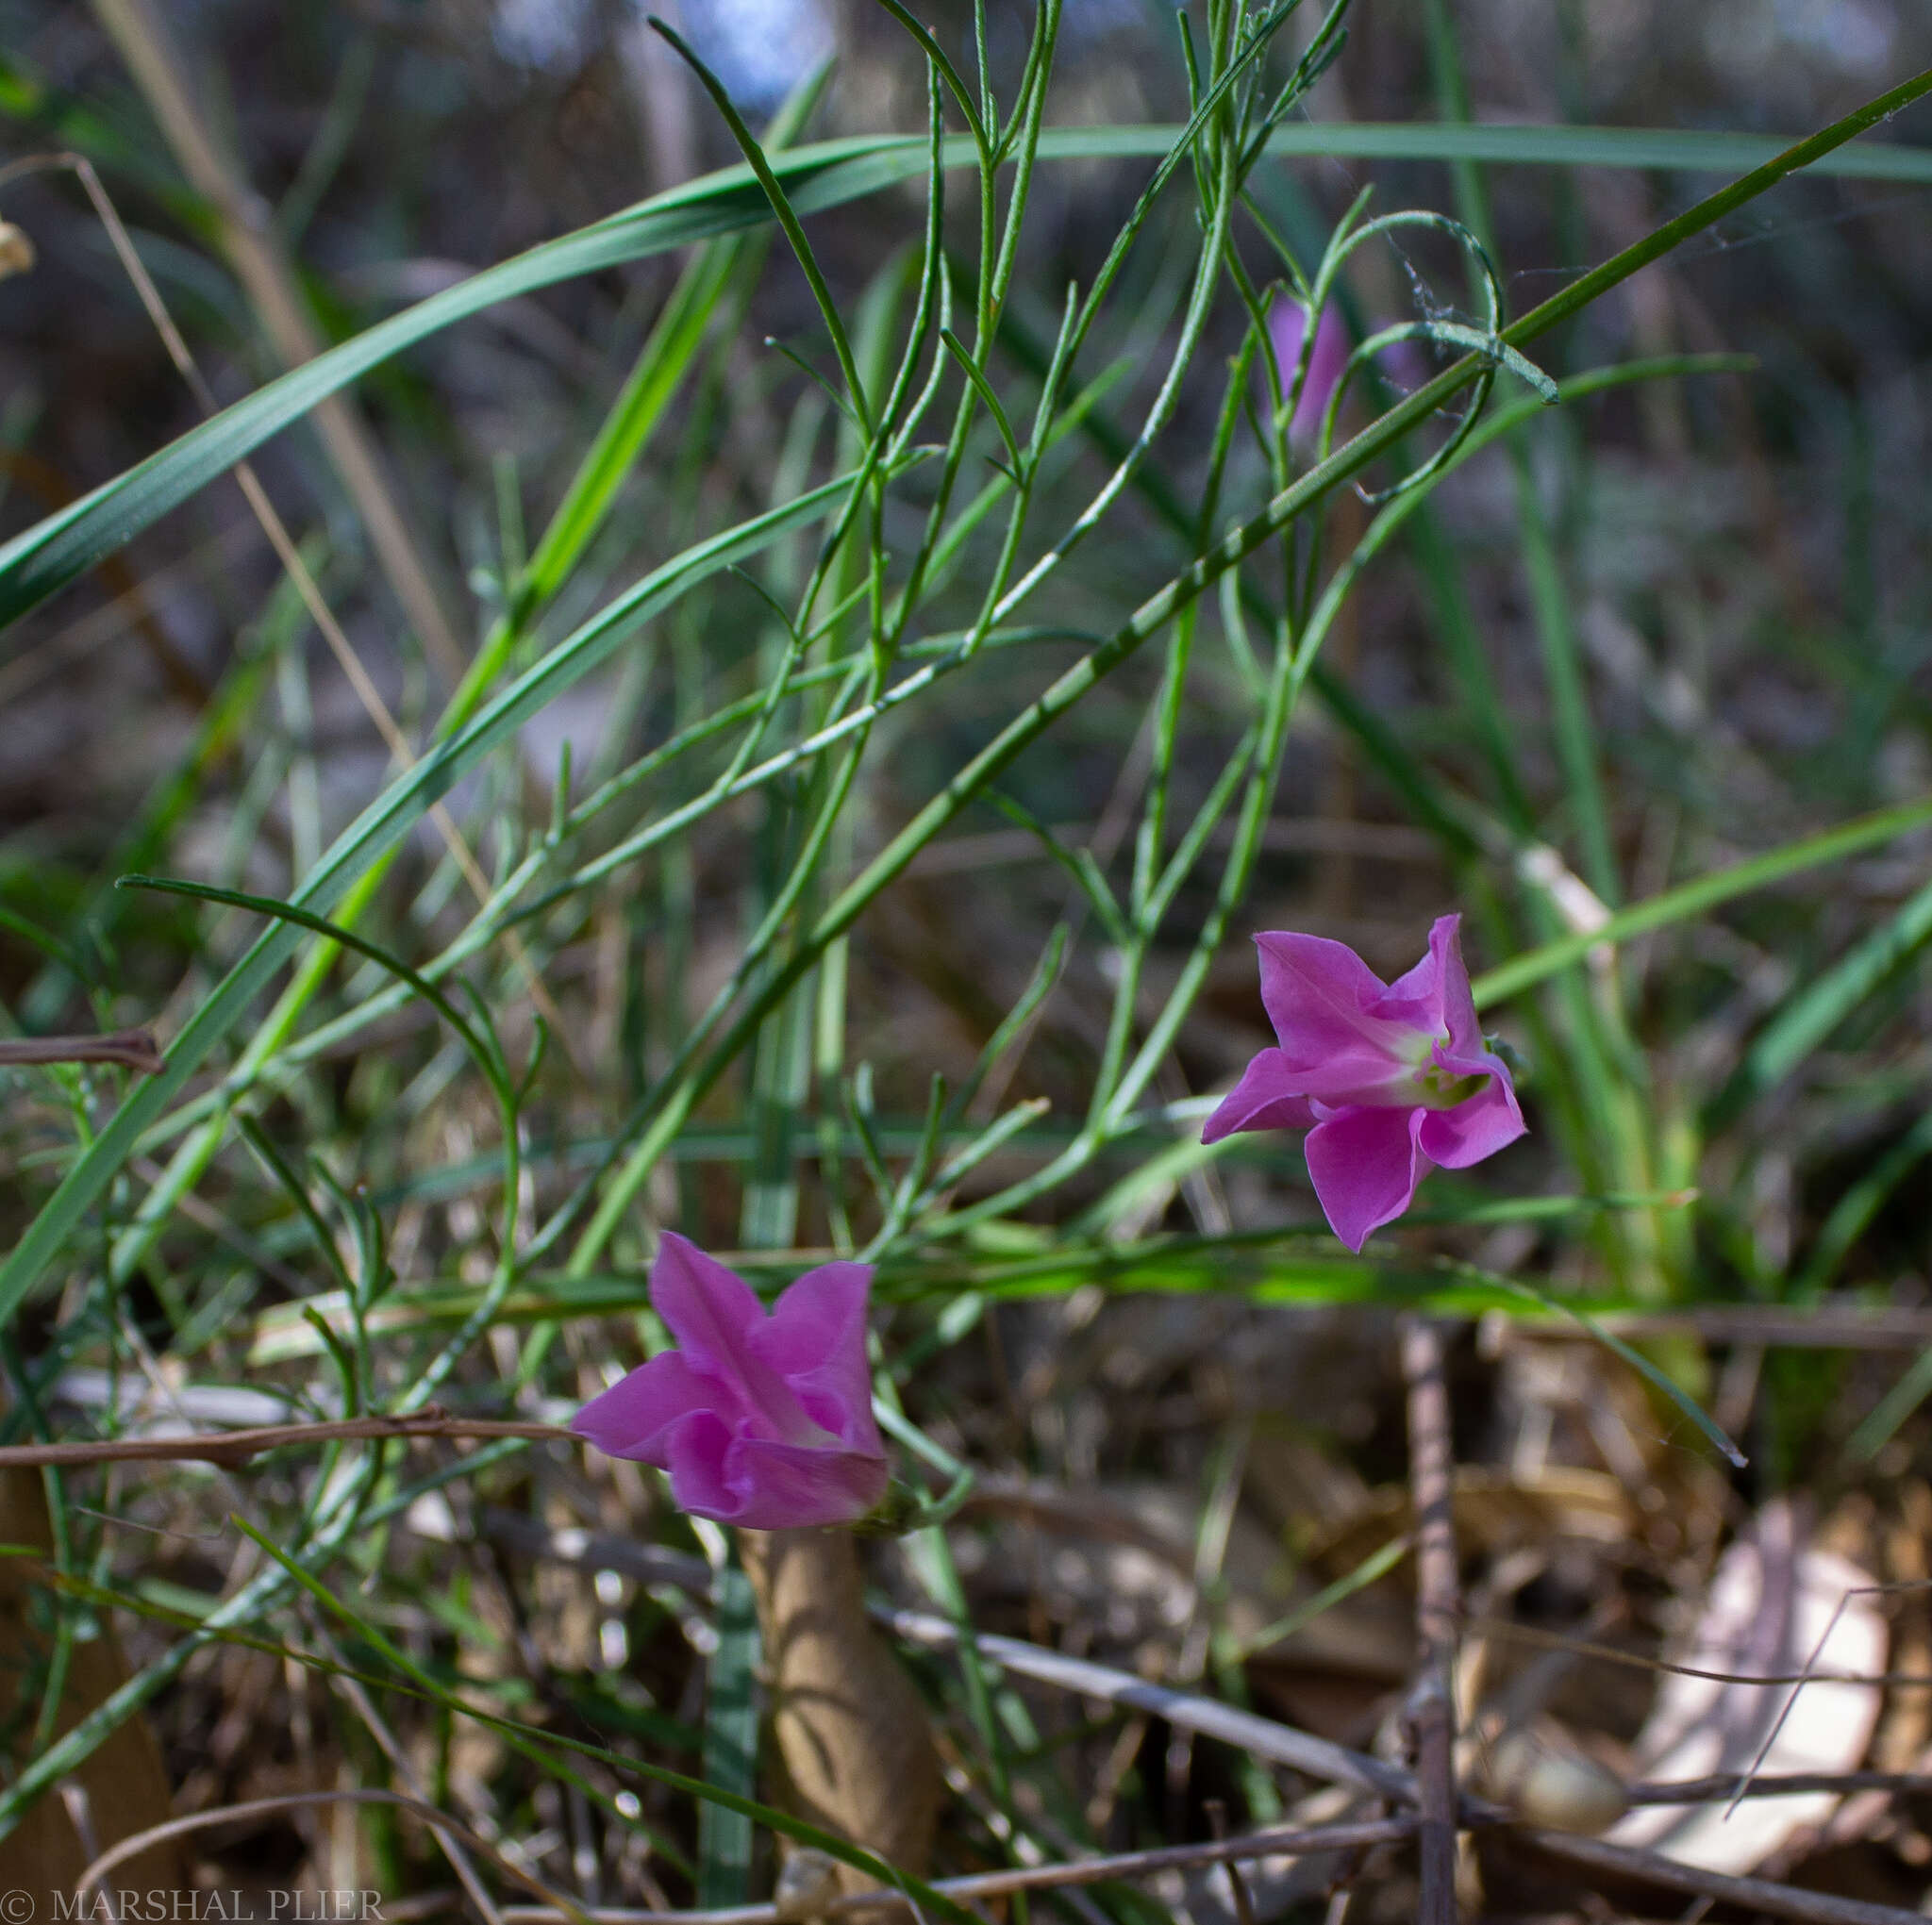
column 1443, row 1087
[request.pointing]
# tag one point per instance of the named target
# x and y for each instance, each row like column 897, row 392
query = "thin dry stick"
column 1279, row 1744
column 1430, row 1713
column 987, row 1885
column 247, row 238
column 237, row 1447
column 351, row 1689
column 1727, row 1784
column 1583, row 1647
column 68, row 646
column 270, row 1807
column 132, row 1048
column 1753, row 1894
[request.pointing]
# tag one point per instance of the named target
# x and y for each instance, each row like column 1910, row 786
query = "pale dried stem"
column 1430, row 1712
column 298, row 572
column 992, row 1884
column 1262, row 1737
column 1751, row 1894
column 235, row 1447
column 248, row 238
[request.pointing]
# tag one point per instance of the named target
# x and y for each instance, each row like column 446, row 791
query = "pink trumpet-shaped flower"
column 1387, row 1078
column 761, row 1420
column 1288, row 322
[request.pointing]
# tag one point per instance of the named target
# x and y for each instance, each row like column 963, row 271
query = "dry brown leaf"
column 1496, row 1511
column 124, row 1783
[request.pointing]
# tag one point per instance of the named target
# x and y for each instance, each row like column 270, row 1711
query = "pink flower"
column 1288, row 321
column 1387, row 1078
column 764, row 1421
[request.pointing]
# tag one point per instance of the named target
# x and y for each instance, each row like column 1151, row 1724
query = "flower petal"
column 1320, row 996
column 815, row 1340
column 710, row 1310
column 1365, row 1164
column 630, row 1418
column 1264, row 1099
column 793, row 1487
column 1487, row 1122
column 698, row 1452
column 1416, row 998
column 715, row 1317
column 1288, row 321
column 1457, row 1004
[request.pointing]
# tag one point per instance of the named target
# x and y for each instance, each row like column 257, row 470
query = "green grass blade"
column 827, row 173
column 1705, row 892
column 1637, row 1362
column 731, row 1741
column 1818, row 1009
column 1853, row 1211
column 377, row 829
column 51, row 553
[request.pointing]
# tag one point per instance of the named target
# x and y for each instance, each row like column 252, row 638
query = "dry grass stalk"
column 1430, row 1714
column 248, row 240
column 132, row 1048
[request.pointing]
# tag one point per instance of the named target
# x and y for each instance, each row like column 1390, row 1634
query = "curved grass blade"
column 1818, row 1009
column 1705, row 892
column 279, row 911
column 379, row 827
column 1637, row 1362
column 51, row 553
column 827, row 173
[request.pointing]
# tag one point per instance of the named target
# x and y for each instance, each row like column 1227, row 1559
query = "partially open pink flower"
column 1387, row 1078
column 761, row 1420
column 1288, row 321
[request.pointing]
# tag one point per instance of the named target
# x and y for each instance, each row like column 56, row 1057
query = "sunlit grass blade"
column 1705, row 892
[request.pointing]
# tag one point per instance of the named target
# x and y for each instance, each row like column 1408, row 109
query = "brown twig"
column 987, row 1885
column 1729, row 1785
column 132, row 1048
column 1430, row 1712
column 236, row 1447
column 438, row 1820
column 1236, row 1885
column 1583, row 1647
column 1753, row 1894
